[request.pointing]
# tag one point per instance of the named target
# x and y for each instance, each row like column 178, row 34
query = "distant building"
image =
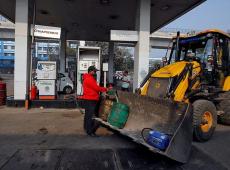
column 7, row 56
column 44, row 50
column 6, row 49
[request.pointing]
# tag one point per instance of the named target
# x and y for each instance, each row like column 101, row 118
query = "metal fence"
column 175, row 30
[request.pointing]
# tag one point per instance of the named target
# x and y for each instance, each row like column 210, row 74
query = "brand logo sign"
column 46, row 31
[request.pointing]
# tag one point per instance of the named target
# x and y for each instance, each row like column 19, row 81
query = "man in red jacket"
column 91, row 92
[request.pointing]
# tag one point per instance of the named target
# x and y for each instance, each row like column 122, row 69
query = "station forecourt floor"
column 54, row 139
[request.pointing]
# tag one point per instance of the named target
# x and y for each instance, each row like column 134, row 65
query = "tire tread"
column 199, row 107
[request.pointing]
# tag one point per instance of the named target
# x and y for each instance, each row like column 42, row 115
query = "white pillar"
column 111, row 61
column 62, row 57
column 141, row 57
column 22, row 50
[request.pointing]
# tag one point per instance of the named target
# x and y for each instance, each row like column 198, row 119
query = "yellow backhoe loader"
column 183, row 98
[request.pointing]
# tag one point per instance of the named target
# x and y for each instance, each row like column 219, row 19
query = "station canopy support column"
column 22, row 48
column 141, row 56
column 111, row 61
column 62, row 57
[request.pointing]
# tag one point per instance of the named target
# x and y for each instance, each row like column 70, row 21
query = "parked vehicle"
column 64, row 83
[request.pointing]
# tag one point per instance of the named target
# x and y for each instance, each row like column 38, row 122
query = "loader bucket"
column 174, row 119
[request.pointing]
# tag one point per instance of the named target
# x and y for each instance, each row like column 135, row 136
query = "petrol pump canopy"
column 93, row 19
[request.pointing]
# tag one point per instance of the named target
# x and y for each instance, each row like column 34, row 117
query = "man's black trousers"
column 91, row 111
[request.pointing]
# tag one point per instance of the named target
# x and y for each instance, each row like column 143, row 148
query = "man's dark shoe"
column 93, row 135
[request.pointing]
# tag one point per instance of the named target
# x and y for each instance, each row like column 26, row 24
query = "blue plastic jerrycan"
column 158, row 140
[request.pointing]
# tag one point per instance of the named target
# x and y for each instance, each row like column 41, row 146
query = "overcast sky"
column 210, row 14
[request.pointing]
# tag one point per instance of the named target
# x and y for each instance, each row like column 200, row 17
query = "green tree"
column 123, row 59
column 71, row 51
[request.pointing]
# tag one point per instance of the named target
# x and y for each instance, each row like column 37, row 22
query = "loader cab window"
column 172, row 57
column 226, row 56
column 195, row 48
column 208, row 51
column 221, row 52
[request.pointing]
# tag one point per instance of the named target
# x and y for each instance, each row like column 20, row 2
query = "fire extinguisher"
column 33, row 92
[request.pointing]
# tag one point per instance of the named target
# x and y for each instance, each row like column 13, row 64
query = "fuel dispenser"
column 87, row 56
column 46, row 79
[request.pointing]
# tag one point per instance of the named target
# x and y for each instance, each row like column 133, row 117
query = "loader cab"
column 210, row 49
column 192, row 48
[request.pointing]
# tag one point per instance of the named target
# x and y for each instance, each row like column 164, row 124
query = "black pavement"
column 44, row 151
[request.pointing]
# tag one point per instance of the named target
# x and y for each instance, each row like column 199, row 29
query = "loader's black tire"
column 203, row 109
column 224, row 106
